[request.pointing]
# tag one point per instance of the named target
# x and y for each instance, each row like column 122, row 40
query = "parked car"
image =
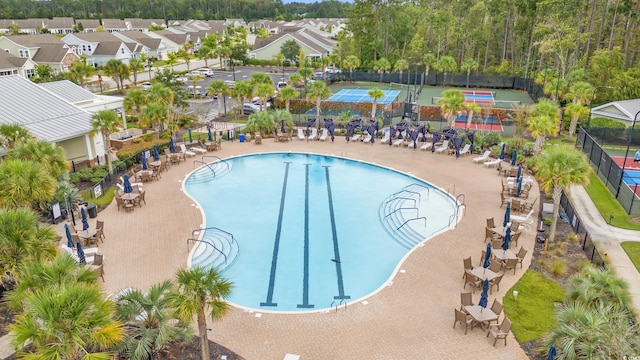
column 146, row 86
column 230, row 84
column 197, row 91
column 182, row 79
column 331, row 70
column 249, row 108
column 193, row 74
column 281, row 85
column 206, row 72
column 318, row 75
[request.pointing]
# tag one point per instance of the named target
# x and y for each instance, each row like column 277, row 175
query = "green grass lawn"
column 632, row 249
column 105, row 199
column 533, row 313
column 607, row 205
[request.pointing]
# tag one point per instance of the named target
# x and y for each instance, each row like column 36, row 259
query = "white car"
column 331, row 70
column 146, row 86
column 193, row 74
column 206, row 72
column 281, row 85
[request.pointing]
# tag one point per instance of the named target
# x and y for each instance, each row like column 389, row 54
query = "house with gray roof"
column 13, row 65
column 136, row 24
column 624, row 111
column 88, row 25
column 51, row 118
column 174, row 39
column 313, row 45
column 100, row 47
column 111, row 25
column 59, row 25
column 43, row 49
column 157, row 48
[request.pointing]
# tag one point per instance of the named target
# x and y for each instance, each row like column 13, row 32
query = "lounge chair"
column 186, row 152
column 314, row 134
column 324, row 135
column 443, row 147
column 398, row 142
column 465, row 150
column 527, row 219
column 367, row 139
column 301, row 135
column 385, row 139
column 356, row 137
column 198, row 149
column 500, row 332
column 426, row 146
column 492, row 163
column 484, row 157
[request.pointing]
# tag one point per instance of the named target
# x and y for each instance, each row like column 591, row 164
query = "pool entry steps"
column 220, row 248
column 400, row 215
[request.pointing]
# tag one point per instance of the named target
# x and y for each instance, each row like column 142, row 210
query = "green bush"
column 259, row 62
column 527, row 149
column 487, row 141
column 606, row 123
column 136, row 149
column 93, row 175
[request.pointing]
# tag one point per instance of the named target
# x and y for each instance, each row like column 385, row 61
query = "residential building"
column 43, row 49
column 100, row 47
column 12, row 65
column 313, row 45
column 624, row 111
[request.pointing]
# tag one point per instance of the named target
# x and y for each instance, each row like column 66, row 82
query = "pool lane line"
column 305, row 278
column 276, row 243
column 334, row 233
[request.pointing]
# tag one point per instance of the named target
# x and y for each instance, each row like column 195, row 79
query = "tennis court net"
column 502, row 104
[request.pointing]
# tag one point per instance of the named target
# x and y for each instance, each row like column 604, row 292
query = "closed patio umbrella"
column 487, row 257
column 81, row 256
column 519, row 174
column 85, row 222
column 514, row 158
column 552, row 353
column 209, row 135
column 190, row 136
column 484, row 297
column 519, row 188
column 172, row 146
column 144, row 161
column 507, row 216
column 68, row 233
column 470, row 136
column 126, row 184
column 502, row 152
column 392, row 133
column 506, row 240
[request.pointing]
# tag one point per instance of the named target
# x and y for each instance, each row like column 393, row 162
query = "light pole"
column 626, row 154
column 593, row 98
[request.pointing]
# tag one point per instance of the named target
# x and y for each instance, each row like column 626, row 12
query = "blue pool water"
column 301, row 232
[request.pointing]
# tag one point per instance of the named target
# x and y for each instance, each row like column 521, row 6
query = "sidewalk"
column 608, row 239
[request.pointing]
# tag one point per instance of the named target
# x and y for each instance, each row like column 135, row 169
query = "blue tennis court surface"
column 631, row 177
column 362, row 95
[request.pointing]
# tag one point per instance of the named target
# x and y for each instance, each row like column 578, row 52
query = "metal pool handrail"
column 215, row 157
column 208, row 243
column 233, row 239
column 206, row 164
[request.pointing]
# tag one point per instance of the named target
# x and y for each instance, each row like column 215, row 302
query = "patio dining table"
column 483, row 273
column 503, row 255
column 130, row 196
column 480, row 315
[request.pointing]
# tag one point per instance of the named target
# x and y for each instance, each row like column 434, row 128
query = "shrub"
column 92, row 175
column 573, row 237
column 558, row 268
column 136, row 149
column 606, row 123
column 547, row 221
column 527, row 149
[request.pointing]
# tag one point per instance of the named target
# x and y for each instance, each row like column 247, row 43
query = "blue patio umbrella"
column 190, row 136
column 434, row 140
column 506, row 240
column 392, row 133
column 519, row 188
column 85, row 222
column 457, row 143
column 507, row 216
column 484, row 297
column 81, row 256
column 413, row 134
column 126, row 184
column 68, row 233
column 144, row 161
column 552, row 353
column 282, row 126
column 470, row 136
column 487, row 257
column 209, row 135
column 371, row 130
column 514, row 157
column 519, row 174
column 172, row 146
column 502, row 152
column 156, row 155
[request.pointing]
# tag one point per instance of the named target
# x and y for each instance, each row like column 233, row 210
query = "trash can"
column 241, row 137
column 92, row 209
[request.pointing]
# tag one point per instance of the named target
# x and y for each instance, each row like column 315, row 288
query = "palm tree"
column 557, row 168
column 136, row 66
column 287, row 94
column 472, row 108
column 264, row 91
column 318, row 91
column 543, row 121
column 400, row 66
column 49, row 156
column 205, row 53
column 260, row 78
column 242, row 90
column 161, row 94
column 106, row 122
column 351, row 62
column 219, row 88
column 198, row 289
column 172, row 59
column 382, row 65
column 118, row 70
column 23, row 241
column 134, row 100
column 24, row 183
column 468, row 65
column 261, row 121
column 429, row 60
column 580, row 92
column 295, row 80
column 576, row 111
column 277, row 116
column 153, row 115
column 375, row 94
column 593, row 286
column 149, row 323
column 447, row 64
column 13, row 134
column 67, row 322
column 80, row 71
column 451, row 103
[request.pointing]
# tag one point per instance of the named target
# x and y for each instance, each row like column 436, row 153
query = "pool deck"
column 410, row 319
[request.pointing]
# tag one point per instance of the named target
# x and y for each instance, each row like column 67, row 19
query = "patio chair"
column 146, row 177
column 385, row 139
column 443, row 147
column 472, row 280
column 481, row 159
column 495, row 266
column 510, row 264
column 100, row 225
column 521, row 254
column 323, row 136
column 95, row 239
column 515, row 236
column 463, row 319
column 513, row 172
column 504, row 200
column 98, row 266
column 491, row 223
column 495, row 281
column 500, row 332
column 517, row 205
column 502, row 171
column 301, row 135
column 496, row 244
column 126, row 205
column 515, row 226
column 467, row 264
column 497, row 307
column 466, row 299
column 466, row 150
column 529, row 206
column 490, row 235
column 140, row 199
column 484, row 254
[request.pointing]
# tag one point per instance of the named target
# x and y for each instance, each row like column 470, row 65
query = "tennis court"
column 487, row 124
column 362, row 95
column 631, row 171
column 479, row 97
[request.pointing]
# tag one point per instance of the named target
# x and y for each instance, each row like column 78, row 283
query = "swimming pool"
column 302, row 232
